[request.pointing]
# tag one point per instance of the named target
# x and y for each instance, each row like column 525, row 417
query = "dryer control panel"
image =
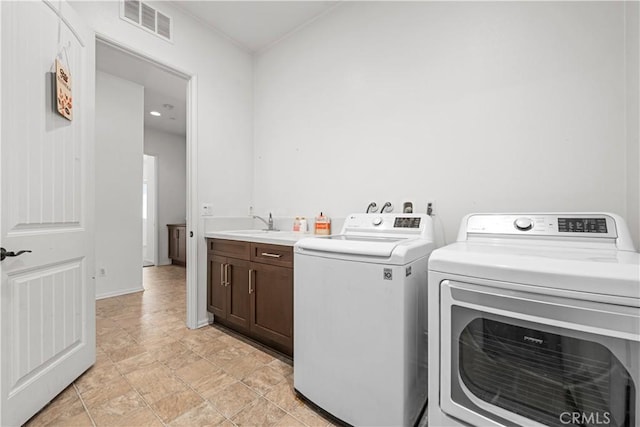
column 537, row 224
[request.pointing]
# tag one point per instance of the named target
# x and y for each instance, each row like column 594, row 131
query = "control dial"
column 523, row 223
column 377, row 221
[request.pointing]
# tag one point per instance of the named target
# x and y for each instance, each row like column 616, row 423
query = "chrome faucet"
column 269, row 223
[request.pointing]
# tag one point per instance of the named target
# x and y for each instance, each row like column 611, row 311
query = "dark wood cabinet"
column 250, row 289
column 272, row 305
column 178, row 243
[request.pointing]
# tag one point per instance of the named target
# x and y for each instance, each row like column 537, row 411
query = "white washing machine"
column 360, row 319
column 534, row 319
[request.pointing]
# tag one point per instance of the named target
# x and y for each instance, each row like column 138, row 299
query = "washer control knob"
column 523, row 223
column 377, row 220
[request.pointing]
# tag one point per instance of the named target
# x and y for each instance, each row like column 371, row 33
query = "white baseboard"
column 203, row 322
column 119, row 292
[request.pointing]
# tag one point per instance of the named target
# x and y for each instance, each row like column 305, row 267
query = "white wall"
column 479, row 106
column 119, row 141
column 632, row 39
column 170, row 152
column 224, row 109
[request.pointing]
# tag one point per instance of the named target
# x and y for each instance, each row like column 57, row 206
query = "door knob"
column 4, row 253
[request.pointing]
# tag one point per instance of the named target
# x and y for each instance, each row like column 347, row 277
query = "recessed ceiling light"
column 155, row 113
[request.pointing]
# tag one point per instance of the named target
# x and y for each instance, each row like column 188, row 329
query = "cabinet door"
column 181, row 238
column 272, row 305
column 173, row 248
column 238, row 293
column 216, row 287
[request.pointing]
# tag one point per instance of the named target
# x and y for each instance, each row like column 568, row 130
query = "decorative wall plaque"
column 64, row 100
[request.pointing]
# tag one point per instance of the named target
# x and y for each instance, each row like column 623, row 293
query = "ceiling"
column 255, row 25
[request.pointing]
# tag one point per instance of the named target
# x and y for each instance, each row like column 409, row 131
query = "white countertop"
column 286, row 238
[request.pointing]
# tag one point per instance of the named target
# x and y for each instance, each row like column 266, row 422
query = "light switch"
column 207, row 209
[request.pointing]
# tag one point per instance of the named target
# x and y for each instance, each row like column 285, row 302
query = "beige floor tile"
column 243, row 346
column 196, row 372
column 79, row 420
column 181, row 360
column 232, row 399
column 263, row 379
column 67, row 395
column 214, row 331
column 172, row 406
column 309, row 417
column 144, row 335
column 104, row 325
column 284, row 396
column 136, row 362
column 157, row 344
column 115, row 340
column 155, row 382
column 284, row 368
column 66, row 408
column 119, row 354
column 202, row 415
column 226, row 357
column 263, row 356
column 108, row 391
column 206, row 345
column 114, row 410
column 211, row 346
column 243, row 366
column 97, row 376
column 164, row 351
column 213, row 384
column 143, row 417
column 102, row 360
column 289, row 421
column 260, row 412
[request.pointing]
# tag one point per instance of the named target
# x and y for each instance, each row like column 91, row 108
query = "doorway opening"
column 167, row 148
column 149, row 225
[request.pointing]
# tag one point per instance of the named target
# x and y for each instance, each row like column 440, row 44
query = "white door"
column 47, row 297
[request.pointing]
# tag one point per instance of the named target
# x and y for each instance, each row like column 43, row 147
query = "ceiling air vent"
column 146, row 17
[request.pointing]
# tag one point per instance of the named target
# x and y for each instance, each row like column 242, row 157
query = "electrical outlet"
column 206, row 209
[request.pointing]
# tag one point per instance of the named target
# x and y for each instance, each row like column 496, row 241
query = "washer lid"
column 352, row 244
column 607, row 271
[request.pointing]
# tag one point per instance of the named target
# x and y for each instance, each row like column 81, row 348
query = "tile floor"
column 152, row 371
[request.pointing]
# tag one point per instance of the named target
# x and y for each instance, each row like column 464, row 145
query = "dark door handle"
column 4, row 253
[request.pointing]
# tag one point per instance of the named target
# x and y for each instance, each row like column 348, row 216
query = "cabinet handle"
column 250, row 287
column 223, row 282
column 270, row 255
column 226, row 275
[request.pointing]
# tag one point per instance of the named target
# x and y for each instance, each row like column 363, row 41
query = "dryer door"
column 520, row 358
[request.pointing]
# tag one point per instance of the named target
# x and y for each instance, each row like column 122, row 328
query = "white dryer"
column 360, row 321
column 534, row 319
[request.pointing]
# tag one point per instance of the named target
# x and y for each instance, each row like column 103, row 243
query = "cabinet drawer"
column 272, row 254
column 230, row 248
